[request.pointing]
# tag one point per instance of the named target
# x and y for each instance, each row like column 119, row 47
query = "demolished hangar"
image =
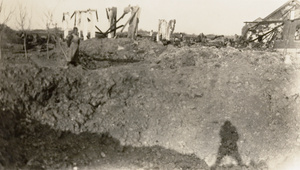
column 279, row 30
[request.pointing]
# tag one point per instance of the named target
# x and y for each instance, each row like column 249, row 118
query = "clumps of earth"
column 141, row 105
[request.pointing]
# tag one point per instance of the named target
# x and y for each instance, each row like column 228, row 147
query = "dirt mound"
column 177, row 98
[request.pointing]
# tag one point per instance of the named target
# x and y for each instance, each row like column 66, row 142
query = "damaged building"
column 84, row 20
column 279, row 30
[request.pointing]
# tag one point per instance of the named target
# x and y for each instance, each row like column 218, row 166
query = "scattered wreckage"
column 85, row 22
column 37, row 40
column 280, row 29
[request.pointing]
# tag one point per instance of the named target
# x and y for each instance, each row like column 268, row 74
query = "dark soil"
column 27, row 144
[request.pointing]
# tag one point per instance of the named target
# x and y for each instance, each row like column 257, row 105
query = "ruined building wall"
column 288, row 39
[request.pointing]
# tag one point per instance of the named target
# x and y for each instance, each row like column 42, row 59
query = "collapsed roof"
column 278, row 29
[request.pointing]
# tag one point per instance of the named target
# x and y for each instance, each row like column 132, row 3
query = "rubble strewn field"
column 138, row 104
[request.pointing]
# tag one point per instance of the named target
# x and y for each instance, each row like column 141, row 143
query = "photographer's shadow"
column 229, row 137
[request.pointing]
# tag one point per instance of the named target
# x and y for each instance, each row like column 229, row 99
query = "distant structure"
column 83, row 20
column 111, row 14
column 280, row 29
column 134, row 22
column 66, row 24
column 165, row 29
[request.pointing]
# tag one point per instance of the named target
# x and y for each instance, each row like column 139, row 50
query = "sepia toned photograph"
column 150, row 84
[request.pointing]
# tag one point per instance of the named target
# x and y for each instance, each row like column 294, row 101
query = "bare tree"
column 6, row 18
column 24, row 22
column 49, row 23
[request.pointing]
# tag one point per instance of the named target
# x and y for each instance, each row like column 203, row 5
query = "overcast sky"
column 224, row 17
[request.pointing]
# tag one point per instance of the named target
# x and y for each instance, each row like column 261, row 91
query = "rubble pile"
column 117, row 51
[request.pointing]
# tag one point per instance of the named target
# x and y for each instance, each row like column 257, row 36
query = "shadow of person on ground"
column 229, row 137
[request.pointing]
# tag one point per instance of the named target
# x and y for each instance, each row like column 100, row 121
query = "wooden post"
column 112, row 18
column 131, row 17
column 170, row 29
column 133, row 22
column 158, row 31
column 65, row 21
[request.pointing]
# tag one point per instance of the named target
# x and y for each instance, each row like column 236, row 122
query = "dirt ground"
column 142, row 105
